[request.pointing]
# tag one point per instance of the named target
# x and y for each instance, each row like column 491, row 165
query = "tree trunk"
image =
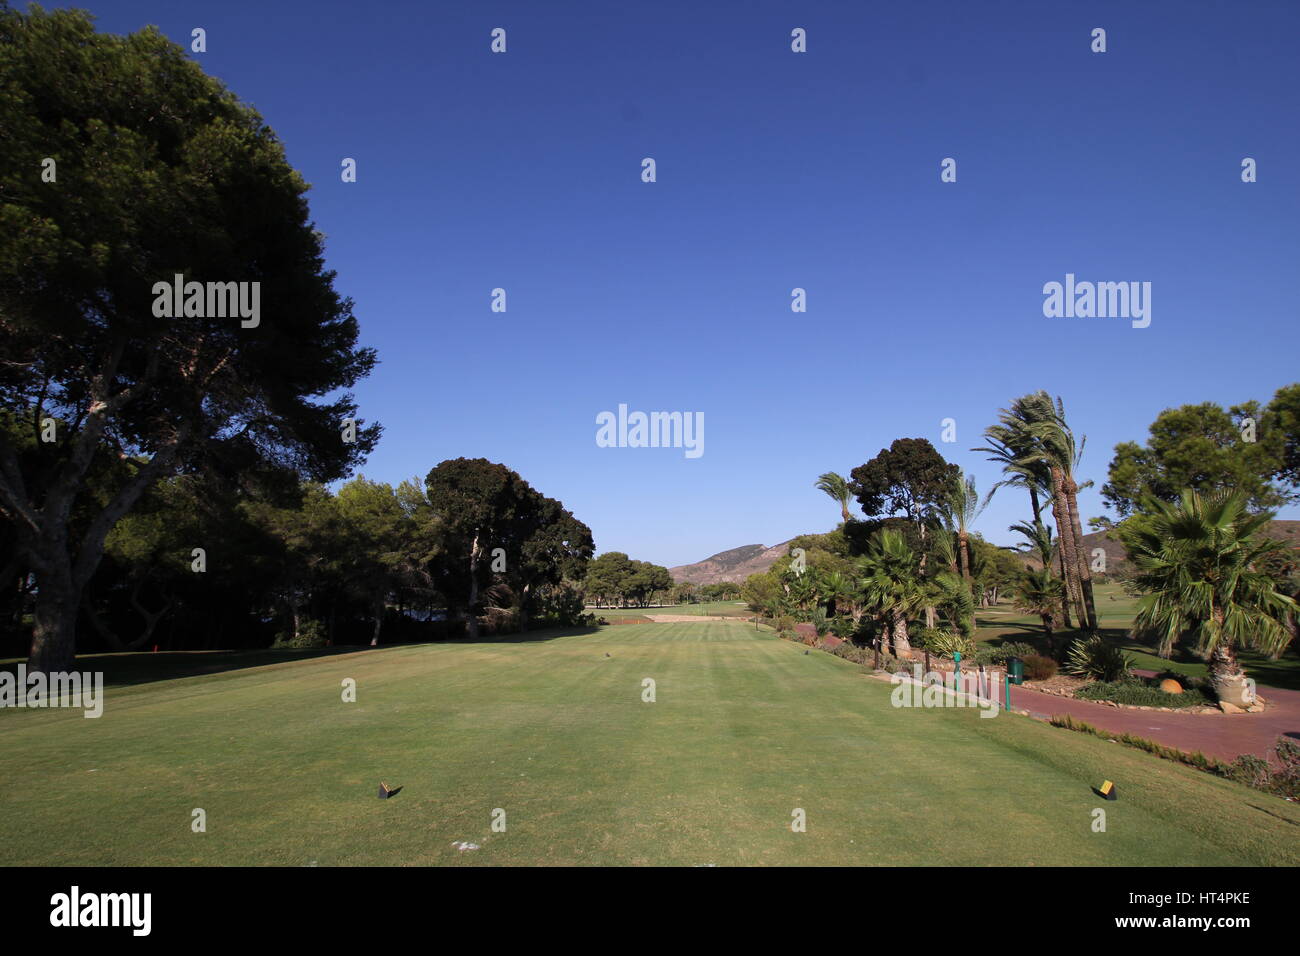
column 963, row 559
column 1065, row 541
column 379, row 620
column 1227, row 677
column 54, row 634
column 901, row 645
column 1065, row 591
column 1085, row 571
column 471, row 625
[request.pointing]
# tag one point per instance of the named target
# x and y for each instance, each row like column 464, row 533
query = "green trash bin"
column 1016, row 670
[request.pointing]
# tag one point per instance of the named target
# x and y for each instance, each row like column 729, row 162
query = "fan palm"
column 894, row 584
column 1199, row 563
column 837, row 488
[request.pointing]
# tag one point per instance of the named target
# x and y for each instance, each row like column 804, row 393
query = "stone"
column 1228, row 708
column 1171, row 686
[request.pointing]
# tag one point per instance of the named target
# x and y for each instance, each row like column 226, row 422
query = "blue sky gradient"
column 777, row 170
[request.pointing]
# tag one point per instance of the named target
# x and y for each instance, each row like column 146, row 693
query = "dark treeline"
column 472, row 548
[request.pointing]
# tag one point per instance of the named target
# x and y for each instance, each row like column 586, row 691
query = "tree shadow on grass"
column 145, row 667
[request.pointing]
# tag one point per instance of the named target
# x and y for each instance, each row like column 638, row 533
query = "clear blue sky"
column 777, row 170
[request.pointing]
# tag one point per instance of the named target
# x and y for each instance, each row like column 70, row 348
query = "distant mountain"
column 734, row 565
column 739, row 563
column 1284, row 530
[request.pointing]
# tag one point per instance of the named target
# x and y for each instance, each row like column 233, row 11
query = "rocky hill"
column 734, row 565
column 739, row 563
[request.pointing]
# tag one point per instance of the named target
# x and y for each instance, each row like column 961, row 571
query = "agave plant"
column 949, row 643
column 1093, row 657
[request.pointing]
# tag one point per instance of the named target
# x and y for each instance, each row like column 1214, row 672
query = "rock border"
column 1223, row 707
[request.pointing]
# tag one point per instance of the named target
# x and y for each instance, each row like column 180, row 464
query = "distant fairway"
column 745, row 729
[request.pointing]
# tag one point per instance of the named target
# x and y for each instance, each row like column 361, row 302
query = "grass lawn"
column 1115, row 611
column 745, row 729
column 705, row 608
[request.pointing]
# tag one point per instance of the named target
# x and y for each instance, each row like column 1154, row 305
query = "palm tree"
column 952, row 594
column 842, row 591
column 1038, row 537
column 837, row 487
column 1200, row 563
column 943, row 549
column 1013, row 445
column 1038, row 592
column 961, row 509
column 1058, row 449
column 894, row 584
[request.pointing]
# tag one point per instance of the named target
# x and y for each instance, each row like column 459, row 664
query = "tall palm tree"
column 1200, row 563
column 1013, row 445
column 961, row 509
column 836, row 487
column 1057, row 447
column 894, row 584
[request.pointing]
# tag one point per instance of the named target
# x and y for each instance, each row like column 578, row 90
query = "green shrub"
column 988, row 655
column 819, row 620
column 1099, row 660
column 842, row 627
column 1286, row 781
column 1139, row 693
column 858, row 655
column 1038, row 667
column 1251, row 770
column 946, row 643
column 311, row 633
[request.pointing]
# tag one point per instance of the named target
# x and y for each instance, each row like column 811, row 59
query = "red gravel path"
column 1215, row 735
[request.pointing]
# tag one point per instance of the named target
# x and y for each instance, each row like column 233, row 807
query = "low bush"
column 1038, row 667
column 310, row 634
column 945, row 643
column 1098, row 659
column 1251, row 770
column 1139, row 693
column 989, row 655
column 1286, row 780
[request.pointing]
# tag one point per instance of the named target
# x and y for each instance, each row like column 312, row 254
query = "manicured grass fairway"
column 746, row 728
